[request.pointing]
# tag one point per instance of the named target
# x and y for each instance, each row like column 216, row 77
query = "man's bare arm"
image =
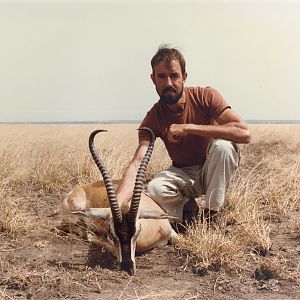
column 231, row 127
column 125, row 189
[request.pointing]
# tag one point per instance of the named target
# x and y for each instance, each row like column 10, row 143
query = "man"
column 200, row 132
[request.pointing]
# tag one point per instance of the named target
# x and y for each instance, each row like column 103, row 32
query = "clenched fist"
column 176, row 131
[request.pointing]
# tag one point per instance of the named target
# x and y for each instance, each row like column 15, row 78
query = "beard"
column 171, row 98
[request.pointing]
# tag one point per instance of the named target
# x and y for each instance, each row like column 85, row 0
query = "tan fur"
column 83, row 197
column 86, row 196
column 153, row 231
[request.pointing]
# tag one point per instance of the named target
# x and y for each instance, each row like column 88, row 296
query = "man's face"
column 168, row 81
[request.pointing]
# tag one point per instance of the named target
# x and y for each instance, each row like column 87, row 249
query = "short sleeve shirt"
column 202, row 106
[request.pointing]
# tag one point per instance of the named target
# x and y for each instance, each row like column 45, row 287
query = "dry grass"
column 13, row 218
column 41, row 160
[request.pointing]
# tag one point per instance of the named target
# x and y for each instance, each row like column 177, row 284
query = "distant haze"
column 90, row 60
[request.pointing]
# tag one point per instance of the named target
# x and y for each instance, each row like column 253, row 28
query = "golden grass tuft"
column 209, row 248
column 13, row 219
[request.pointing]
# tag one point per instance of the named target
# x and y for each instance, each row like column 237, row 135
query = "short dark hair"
column 166, row 54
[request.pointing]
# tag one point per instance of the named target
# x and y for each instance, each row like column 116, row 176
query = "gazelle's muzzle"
column 128, row 266
column 127, row 247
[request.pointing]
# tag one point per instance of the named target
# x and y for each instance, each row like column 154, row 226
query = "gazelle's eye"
column 109, row 236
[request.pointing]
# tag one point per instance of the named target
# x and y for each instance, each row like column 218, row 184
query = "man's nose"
column 169, row 81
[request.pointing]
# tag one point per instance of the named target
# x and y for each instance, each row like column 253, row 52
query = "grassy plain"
column 257, row 237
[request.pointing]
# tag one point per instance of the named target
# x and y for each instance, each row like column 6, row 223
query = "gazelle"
column 138, row 226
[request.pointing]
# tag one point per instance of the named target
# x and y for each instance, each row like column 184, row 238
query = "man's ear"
column 184, row 76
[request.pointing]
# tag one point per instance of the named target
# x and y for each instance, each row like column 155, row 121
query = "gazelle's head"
column 122, row 236
column 124, row 224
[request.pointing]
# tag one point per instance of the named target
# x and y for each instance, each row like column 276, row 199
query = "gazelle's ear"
column 153, row 214
column 101, row 213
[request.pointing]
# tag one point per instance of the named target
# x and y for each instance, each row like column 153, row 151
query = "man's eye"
column 175, row 75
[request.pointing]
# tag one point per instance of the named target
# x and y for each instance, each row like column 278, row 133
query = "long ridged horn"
column 112, row 198
column 139, row 181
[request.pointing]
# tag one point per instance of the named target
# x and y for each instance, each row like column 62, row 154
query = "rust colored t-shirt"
column 203, row 106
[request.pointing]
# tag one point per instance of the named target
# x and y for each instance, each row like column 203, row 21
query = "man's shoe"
column 208, row 215
column 189, row 215
column 190, row 212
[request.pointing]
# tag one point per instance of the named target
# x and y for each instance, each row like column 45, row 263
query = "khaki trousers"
column 174, row 187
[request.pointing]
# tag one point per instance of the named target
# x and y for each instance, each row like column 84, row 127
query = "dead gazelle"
column 139, row 227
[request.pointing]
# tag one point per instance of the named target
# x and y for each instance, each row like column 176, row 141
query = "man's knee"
column 224, row 150
column 159, row 189
column 155, row 189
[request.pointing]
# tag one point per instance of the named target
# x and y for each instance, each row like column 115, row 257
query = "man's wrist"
column 194, row 129
column 188, row 129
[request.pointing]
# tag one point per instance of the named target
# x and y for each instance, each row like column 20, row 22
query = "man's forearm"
column 233, row 131
column 125, row 189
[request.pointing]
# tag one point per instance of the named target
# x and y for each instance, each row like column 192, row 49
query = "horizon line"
column 251, row 121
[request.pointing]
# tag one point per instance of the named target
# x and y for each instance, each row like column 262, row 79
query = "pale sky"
column 68, row 60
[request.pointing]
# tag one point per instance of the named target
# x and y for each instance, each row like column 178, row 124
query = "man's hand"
column 176, row 131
